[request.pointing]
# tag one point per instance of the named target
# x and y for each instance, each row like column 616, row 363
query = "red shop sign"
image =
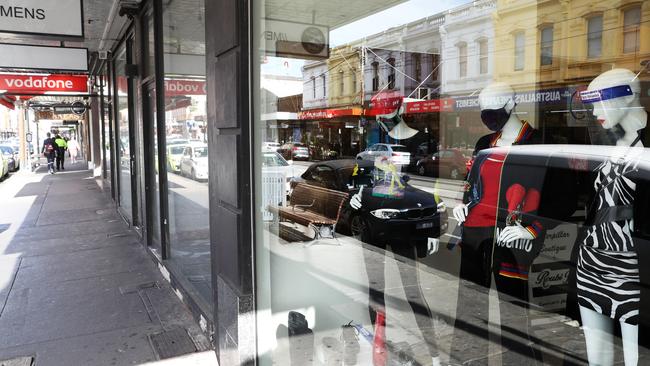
column 174, row 87
column 429, row 106
column 328, row 113
column 39, row 84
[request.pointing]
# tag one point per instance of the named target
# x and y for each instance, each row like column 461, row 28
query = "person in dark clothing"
column 49, row 150
column 61, row 146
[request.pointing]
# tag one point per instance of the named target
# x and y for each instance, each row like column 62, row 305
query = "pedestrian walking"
column 73, row 149
column 61, row 146
column 49, row 151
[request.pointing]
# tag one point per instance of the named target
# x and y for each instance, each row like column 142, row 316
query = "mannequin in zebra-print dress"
column 608, row 270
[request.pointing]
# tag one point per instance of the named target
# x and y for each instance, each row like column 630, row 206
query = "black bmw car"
column 391, row 210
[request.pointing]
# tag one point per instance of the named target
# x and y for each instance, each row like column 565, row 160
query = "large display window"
column 186, row 143
column 460, row 182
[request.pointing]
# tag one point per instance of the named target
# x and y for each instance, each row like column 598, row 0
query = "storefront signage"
column 53, row 18
column 40, row 84
column 384, row 102
column 329, row 113
column 429, row 106
column 550, row 272
column 174, row 87
column 15, row 56
column 526, row 97
column 298, row 40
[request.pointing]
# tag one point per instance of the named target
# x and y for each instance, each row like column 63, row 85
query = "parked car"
column 273, row 162
column 174, row 155
column 405, row 215
column 194, row 162
column 270, row 146
column 4, row 167
column 446, row 163
column 11, row 155
column 294, row 151
column 177, row 141
column 398, row 154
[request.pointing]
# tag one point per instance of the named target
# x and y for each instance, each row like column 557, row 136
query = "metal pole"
column 29, row 141
column 21, row 132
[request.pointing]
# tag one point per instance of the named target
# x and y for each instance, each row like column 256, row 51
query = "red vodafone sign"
column 40, row 84
column 175, row 87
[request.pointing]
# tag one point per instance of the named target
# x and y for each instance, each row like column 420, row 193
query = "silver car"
column 398, row 154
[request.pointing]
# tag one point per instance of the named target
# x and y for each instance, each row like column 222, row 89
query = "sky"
column 397, row 15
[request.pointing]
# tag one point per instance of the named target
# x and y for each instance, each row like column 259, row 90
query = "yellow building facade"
column 345, row 78
column 584, row 38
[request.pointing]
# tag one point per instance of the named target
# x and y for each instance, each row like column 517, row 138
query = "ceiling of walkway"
column 333, row 13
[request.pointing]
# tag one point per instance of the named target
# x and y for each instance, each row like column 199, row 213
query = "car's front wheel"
column 360, row 229
column 421, row 169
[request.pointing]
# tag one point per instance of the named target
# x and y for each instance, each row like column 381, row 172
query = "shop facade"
column 342, row 258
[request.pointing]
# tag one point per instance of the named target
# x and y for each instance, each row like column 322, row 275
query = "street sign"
column 298, row 40
column 78, row 108
column 28, row 137
column 52, row 18
column 18, row 56
column 39, row 84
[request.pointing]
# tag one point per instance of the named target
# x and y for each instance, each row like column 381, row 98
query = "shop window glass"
column 631, row 29
column 546, row 46
column 520, row 51
column 123, row 149
column 107, row 120
column 462, row 60
column 313, row 86
column 186, row 155
column 466, row 211
column 594, row 36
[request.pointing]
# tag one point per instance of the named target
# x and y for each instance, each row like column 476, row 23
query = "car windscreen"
column 368, row 177
column 200, row 152
column 273, row 160
column 400, row 148
column 177, row 150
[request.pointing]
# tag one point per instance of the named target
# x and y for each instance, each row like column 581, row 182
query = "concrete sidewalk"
column 76, row 286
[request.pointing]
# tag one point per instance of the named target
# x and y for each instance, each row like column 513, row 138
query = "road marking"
column 453, row 236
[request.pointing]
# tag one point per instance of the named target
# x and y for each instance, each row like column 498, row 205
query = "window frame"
column 375, row 76
column 588, row 34
column 483, row 56
column 519, row 59
column 462, row 59
column 636, row 28
column 391, row 73
column 546, row 45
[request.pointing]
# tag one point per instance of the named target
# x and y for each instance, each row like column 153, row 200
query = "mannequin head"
column 497, row 101
column 614, row 94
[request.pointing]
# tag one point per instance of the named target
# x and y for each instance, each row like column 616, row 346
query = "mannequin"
column 408, row 274
column 491, row 189
column 603, row 257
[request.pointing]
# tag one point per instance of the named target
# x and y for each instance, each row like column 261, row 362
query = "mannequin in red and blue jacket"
column 502, row 232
